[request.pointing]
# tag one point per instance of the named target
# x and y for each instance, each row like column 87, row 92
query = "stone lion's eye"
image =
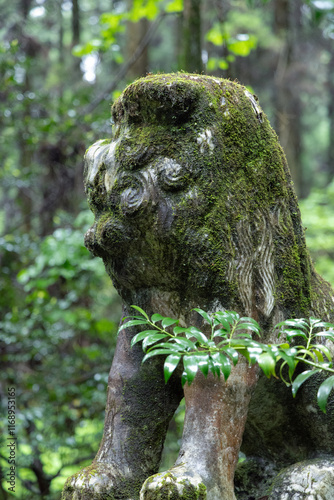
column 132, row 199
column 134, row 193
column 132, row 156
column 172, row 175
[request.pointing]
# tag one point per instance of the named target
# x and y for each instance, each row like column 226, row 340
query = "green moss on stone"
column 244, row 175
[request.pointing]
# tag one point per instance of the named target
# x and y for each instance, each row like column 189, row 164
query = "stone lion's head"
column 192, row 193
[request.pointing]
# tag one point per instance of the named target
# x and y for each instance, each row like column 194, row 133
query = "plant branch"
column 316, row 365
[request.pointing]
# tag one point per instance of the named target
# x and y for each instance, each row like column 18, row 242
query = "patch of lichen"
column 174, row 489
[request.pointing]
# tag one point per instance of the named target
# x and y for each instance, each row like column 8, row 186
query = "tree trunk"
column 287, row 99
column 135, row 32
column 75, row 22
column 192, row 36
column 331, row 115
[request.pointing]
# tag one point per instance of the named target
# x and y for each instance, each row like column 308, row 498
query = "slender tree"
column 192, row 37
column 287, row 25
column 331, row 113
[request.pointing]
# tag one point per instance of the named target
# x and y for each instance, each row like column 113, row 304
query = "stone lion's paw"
column 99, row 481
column 177, row 483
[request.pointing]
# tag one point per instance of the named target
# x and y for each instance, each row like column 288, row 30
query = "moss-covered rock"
column 193, row 193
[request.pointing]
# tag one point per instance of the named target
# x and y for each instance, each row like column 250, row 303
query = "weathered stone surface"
column 194, row 207
column 311, row 480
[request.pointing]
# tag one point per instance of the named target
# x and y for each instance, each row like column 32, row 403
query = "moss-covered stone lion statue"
column 194, row 207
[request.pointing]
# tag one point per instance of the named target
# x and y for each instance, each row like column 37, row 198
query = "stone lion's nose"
column 90, row 241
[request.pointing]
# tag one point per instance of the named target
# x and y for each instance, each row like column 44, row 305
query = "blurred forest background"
column 62, row 63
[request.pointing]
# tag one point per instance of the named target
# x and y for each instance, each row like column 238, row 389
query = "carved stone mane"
column 194, row 207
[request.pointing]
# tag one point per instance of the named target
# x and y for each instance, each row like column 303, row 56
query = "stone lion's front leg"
column 139, row 408
column 216, row 413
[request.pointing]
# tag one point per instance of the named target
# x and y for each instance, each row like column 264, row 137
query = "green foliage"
column 239, row 45
column 241, row 33
column 113, row 24
column 57, row 336
column 318, row 216
column 231, row 336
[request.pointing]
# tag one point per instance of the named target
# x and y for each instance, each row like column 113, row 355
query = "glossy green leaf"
column 324, row 391
column 248, row 326
column 290, row 334
column 328, row 335
column 202, row 362
column 223, row 362
column 139, row 309
column 185, row 343
column 170, row 365
column 247, row 319
column 168, row 345
column 221, row 332
column 157, row 352
column 296, row 323
column 300, row 379
column 267, row 364
column 133, row 317
column 319, row 355
column 152, row 339
column 179, row 329
column 156, row 317
column 289, row 355
column 285, row 345
column 317, row 323
column 253, row 354
column 133, row 322
column 140, row 336
column 241, row 341
column 307, row 352
column 195, row 332
column 232, row 353
column 204, row 315
column 190, row 367
column 225, row 323
column 274, row 350
column 214, row 367
column 324, row 350
column 242, row 336
column 166, row 322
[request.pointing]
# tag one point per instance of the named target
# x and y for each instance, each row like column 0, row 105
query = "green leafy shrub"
column 232, row 336
column 58, row 325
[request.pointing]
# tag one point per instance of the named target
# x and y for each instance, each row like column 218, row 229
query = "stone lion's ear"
column 255, row 105
column 170, row 103
column 93, row 160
